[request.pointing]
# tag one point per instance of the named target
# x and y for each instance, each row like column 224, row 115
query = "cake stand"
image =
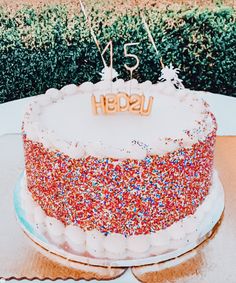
column 62, row 253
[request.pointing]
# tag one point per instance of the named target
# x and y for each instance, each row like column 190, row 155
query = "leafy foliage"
column 50, row 47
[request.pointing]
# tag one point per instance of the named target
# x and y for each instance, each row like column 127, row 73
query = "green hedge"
column 50, row 47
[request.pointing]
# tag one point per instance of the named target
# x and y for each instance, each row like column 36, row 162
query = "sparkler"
column 150, row 37
column 92, row 32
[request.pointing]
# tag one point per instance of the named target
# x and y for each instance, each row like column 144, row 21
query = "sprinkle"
column 129, row 197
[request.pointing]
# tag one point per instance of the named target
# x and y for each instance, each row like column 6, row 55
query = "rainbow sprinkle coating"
column 129, row 197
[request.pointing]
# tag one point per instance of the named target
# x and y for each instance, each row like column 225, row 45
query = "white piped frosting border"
column 117, row 246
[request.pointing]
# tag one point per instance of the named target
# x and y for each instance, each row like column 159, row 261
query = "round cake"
column 119, row 184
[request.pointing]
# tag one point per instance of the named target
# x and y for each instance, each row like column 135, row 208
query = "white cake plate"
column 66, row 256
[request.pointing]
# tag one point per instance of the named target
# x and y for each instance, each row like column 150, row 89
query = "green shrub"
column 51, row 48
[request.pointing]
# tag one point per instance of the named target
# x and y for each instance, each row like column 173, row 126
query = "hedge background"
column 51, row 47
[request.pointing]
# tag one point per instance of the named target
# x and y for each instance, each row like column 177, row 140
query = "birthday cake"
column 119, row 169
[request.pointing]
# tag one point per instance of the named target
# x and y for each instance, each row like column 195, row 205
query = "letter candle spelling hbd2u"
column 121, row 102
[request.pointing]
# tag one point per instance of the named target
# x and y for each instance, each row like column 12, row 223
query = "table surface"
column 213, row 261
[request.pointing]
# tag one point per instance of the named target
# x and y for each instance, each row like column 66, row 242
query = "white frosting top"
column 63, row 120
